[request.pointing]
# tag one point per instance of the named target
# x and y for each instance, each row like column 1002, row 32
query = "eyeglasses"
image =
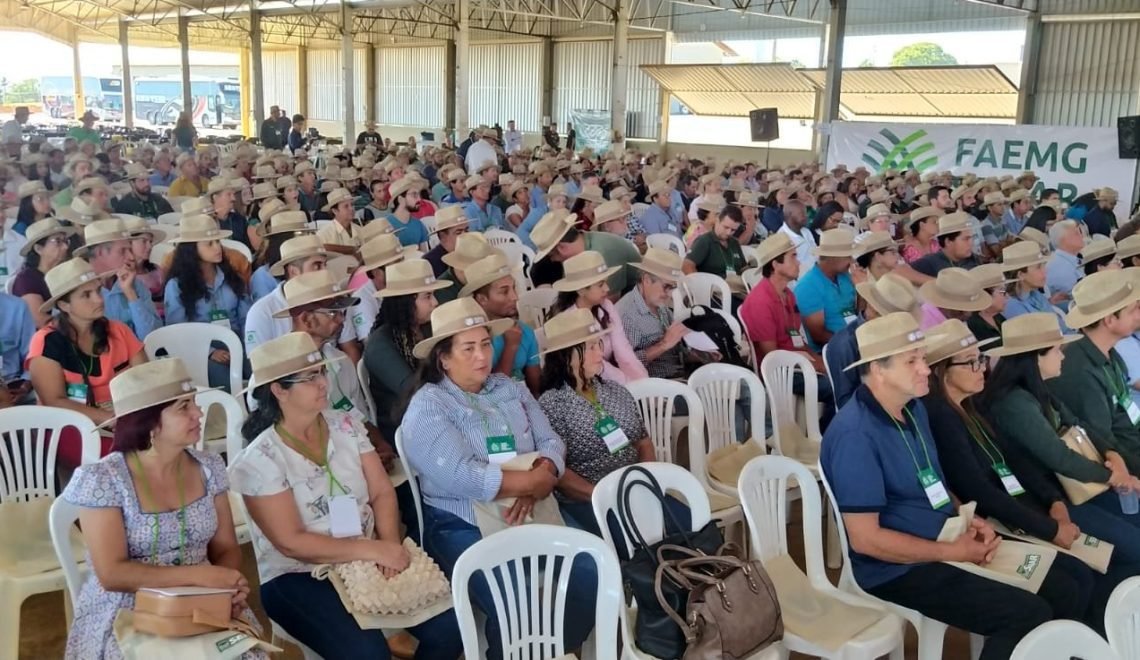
column 57, row 240
column 331, row 313
column 980, row 363
column 306, row 378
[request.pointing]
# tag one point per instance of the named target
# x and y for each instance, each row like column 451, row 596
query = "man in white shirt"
column 483, row 150
column 12, row 133
column 512, row 138
column 339, row 235
column 795, row 226
column 710, row 187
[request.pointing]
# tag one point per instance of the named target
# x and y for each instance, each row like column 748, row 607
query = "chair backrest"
column 700, row 289
column 519, row 253
column 751, row 256
column 176, row 201
column 235, row 417
column 751, row 277
column 172, row 218
column 846, row 575
column 160, row 190
column 29, row 444
column 655, row 399
column 413, row 481
column 61, row 519
column 753, row 351
column 159, row 251
column 763, row 491
column 534, row 305
column 1063, row 640
column 827, row 367
column 366, row 387
column 191, row 342
column 643, row 507
column 778, row 369
column 321, row 224
column 239, row 247
column 9, row 284
column 638, row 209
column 1122, row 618
column 667, row 242
column 718, row 386
column 529, row 587
column 429, row 223
column 497, row 237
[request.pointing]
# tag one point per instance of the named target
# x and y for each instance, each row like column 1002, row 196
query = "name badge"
column 3, row 270
column 1012, row 485
column 611, row 434
column 729, row 271
column 1132, row 409
column 344, row 517
column 77, row 392
column 671, row 227
column 218, row 317
column 343, row 405
column 358, row 323
column 849, row 316
column 797, row 338
column 935, row 491
column 501, row 448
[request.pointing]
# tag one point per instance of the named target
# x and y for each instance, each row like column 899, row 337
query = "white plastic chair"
column 366, row 387
column 29, row 445
column 778, row 370
column 750, row 255
column 9, row 284
column 321, row 224
column 159, row 251
column 176, row 201
column 753, row 353
column 1062, row 640
column 667, row 242
column 764, row 494
column 827, row 367
column 239, row 247
column 535, row 305
column 235, row 417
column 191, row 342
column 751, row 277
column 638, row 209
column 519, row 253
column 700, row 289
column 162, row 191
column 430, row 225
column 413, row 481
column 718, row 386
column 172, row 218
column 1122, row 618
column 522, row 560
column 498, row 237
column 61, row 519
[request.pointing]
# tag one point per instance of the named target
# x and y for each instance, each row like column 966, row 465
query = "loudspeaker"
column 765, row 124
column 1127, row 136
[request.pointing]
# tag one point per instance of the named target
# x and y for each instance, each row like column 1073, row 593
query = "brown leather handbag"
column 732, row 611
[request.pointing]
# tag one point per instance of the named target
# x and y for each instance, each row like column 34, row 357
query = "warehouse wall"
column 279, row 76
column 506, row 83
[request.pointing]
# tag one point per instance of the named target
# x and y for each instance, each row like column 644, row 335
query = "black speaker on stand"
column 1128, row 136
column 765, row 124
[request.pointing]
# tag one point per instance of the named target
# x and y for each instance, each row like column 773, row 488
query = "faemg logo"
column 913, row 151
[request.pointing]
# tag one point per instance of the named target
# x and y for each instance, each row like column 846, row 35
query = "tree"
column 867, row 63
column 24, row 91
column 922, row 54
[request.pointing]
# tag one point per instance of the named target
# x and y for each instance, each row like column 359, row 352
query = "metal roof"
column 735, row 89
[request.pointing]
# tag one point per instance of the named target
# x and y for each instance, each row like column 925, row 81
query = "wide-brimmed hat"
column 410, row 276
column 953, row 223
column 994, row 198
column 81, row 213
column 872, row 241
column 348, row 174
column 1097, row 248
column 469, row 248
column 318, row 286
column 380, row 251
column 548, row 233
column 406, row 183
column 456, row 174
column 139, row 226
column 582, row 270
column 1128, row 246
column 487, row 270
column 950, row 338
column 1100, row 294
column 838, row 242
column 38, row 231
column 302, row 167
column 955, row 288
column 452, row 318
column 661, row 263
column 284, row 356
column 287, row 181
column 1031, row 332
column 102, row 231
column 1022, row 254
column 1106, row 194
column 263, row 172
column 198, row 228
column 267, row 212
column 889, row 294
column 1037, row 236
column 219, row 184
column 336, row 197
column 29, row 188
column 196, row 206
column 90, row 183
column 450, row 217
column 990, row 276
column 572, row 327
column 263, row 190
column 887, row 335
column 876, row 211
column 591, row 194
column 775, row 245
column 67, row 277
column 151, row 384
column 288, row 222
column 296, row 249
column 609, row 212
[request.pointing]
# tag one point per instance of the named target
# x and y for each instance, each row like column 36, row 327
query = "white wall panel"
column 1088, row 73
column 505, row 84
column 279, row 79
column 644, row 101
column 410, row 86
column 359, row 88
column 581, row 78
column 326, row 86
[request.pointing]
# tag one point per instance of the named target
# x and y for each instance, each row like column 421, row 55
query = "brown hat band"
column 155, row 394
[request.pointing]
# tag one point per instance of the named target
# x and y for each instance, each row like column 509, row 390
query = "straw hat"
column 549, row 231
column 889, row 294
column 284, row 356
column 748, row 198
column 314, row 287
column 29, row 188
column 489, row 269
column 298, row 248
column 619, row 193
column 288, row 222
column 1037, row 236
column 198, row 228
column 582, row 270
column 775, row 245
column 102, row 231
column 885, row 336
column 1128, row 247
column 661, row 263
column 402, row 186
column 956, row 289
column 450, row 217
column 1106, row 194
column 1018, row 195
column 876, row 211
column 265, row 172
column 38, row 231
column 452, row 318
column 456, row 174
column 990, row 276
column 196, row 206
column 81, row 213
column 90, row 183
column 953, row 223
column 570, row 328
column 872, row 241
column 1100, row 294
column 286, row 181
column 1030, row 332
column 838, row 242
column 1097, row 248
column 993, row 198
column 348, row 174
column 67, row 277
column 264, row 190
column 410, row 276
column 950, row 338
column 1021, row 255
column 268, row 210
column 609, row 212
column 469, row 248
column 380, row 251
column 592, row 194
column 218, row 184
column 473, row 181
column 151, row 384
column 336, row 197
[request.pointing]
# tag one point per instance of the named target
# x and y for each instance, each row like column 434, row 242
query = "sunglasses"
column 980, row 363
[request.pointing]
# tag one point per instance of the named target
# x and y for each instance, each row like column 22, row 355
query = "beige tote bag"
column 489, row 516
column 1021, row 565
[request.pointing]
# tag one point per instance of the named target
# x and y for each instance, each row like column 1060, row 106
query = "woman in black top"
column 986, row 324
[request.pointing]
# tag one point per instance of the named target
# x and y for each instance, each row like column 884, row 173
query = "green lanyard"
column 729, row 257
column 320, row 461
column 921, row 441
column 1122, row 395
column 984, row 441
column 473, row 402
column 154, row 516
column 592, row 397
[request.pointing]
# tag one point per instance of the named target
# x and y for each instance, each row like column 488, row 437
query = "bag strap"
column 650, row 483
column 690, row 634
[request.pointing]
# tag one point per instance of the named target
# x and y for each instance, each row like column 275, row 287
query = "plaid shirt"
column 645, row 328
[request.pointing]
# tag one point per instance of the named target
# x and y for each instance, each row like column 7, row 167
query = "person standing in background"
column 271, row 134
column 571, row 136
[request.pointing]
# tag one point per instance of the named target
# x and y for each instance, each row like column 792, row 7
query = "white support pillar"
column 184, row 45
column 257, row 75
column 619, row 79
column 349, row 78
column 80, row 102
column 833, row 81
column 462, row 64
column 128, row 88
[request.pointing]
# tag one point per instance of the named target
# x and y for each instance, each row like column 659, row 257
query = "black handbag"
column 655, row 632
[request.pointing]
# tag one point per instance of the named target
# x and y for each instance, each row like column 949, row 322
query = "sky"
column 55, row 59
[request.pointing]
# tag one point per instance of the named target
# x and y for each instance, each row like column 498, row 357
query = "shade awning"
column 733, row 90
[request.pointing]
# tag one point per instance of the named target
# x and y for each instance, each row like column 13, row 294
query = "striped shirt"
column 645, row 328
column 445, row 433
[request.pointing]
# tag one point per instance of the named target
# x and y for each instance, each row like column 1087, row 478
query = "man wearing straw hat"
column 770, row 313
column 954, row 294
column 1094, row 382
column 556, row 240
column 826, row 293
column 469, row 248
column 340, row 235
column 483, row 214
column 450, row 223
column 879, row 458
column 491, row 282
column 1101, row 219
column 646, row 314
column 956, row 247
column 107, row 247
column 141, row 201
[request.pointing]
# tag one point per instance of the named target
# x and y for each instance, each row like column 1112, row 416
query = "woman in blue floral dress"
column 155, row 511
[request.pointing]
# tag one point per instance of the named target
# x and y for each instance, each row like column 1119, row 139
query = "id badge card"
column 218, row 317
column 671, row 227
column 1012, row 485
column 611, row 434
column 935, row 491
column 1132, row 409
column 797, row 338
column 730, row 272
column 77, row 392
column 344, row 517
column 501, row 448
column 343, row 405
column 848, row 316
column 3, row 270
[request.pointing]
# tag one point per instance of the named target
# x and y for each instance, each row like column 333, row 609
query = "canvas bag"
column 217, row 645
column 1097, row 553
column 1021, row 565
column 489, row 515
column 1080, row 492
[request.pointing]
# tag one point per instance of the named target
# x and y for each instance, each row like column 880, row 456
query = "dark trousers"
column 1102, row 517
column 1002, row 613
column 311, row 611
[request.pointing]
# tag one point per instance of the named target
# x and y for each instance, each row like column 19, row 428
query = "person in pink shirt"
column 583, row 284
column 954, row 294
column 921, row 240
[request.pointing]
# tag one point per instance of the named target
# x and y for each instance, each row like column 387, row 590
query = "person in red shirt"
column 769, row 311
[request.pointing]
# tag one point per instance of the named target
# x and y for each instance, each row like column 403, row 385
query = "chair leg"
column 834, row 556
column 976, row 643
column 931, row 635
column 10, row 622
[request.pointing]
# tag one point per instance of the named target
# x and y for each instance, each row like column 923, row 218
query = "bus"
column 58, row 95
column 215, row 103
column 112, row 89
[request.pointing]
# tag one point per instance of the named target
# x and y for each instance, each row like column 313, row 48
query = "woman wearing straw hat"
column 143, row 237
column 375, row 255
column 1023, row 262
column 556, row 200
column 1098, row 255
column 35, row 205
column 519, row 195
column 317, row 493
column 48, row 245
column 463, row 424
column 954, row 294
column 922, row 225
column 277, row 226
column 1018, row 404
column 986, row 324
column 179, row 532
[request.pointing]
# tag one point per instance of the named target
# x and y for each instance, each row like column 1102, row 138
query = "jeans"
column 448, row 536
column 580, row 515
column 1101, row 517
column 311, row 611
column 1002, row 613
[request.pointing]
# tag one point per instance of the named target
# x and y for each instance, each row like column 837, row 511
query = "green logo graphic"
column 1029, row 566
column 909, row 152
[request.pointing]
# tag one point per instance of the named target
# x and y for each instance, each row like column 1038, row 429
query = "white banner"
column 591, row 129
column 1072, row 159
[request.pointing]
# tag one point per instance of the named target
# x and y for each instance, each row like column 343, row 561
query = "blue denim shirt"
column 139, row 315
column 219, row 297
column 262, row 283
column 538, row 200
column 16, row 330
column 656, row 220
column 485, row 218
column 1034, row 301
column 528, row 224
column 157, row 179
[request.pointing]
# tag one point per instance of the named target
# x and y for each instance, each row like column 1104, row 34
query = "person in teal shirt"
column 405, row 202
column 491, row 282
column 826, row 294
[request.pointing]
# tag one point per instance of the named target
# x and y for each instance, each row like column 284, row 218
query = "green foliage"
column 922, row 54
column 23, row 91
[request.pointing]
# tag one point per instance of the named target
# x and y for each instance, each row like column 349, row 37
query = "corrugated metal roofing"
column 734, row 89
